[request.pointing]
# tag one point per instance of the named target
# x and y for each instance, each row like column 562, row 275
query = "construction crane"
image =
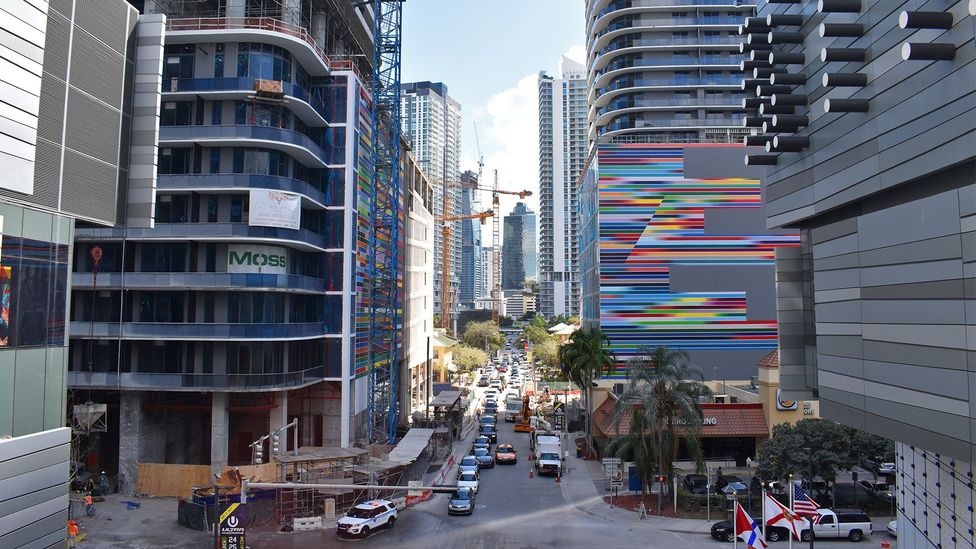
column 446, row 298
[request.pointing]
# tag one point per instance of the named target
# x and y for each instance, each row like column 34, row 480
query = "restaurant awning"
column 719, row 420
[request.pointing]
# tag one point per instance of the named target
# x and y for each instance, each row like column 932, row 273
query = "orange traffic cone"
column 558, row 477
column 531, row 473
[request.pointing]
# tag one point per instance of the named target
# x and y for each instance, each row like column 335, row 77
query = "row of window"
column 208, row 307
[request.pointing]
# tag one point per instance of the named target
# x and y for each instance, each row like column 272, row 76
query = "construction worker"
column 89, row 505
column 72, row 533
column 103, row 483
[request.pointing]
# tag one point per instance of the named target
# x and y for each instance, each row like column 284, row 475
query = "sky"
column 489, row 53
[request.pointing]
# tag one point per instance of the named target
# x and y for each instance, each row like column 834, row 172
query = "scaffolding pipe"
column 446, row 488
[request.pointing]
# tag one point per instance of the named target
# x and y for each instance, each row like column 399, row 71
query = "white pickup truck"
column 548, row 459
column 852, row 524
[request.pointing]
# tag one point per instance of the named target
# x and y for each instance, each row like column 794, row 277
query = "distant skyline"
column 489, row 54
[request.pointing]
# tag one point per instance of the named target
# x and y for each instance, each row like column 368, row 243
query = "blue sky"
column 489, row 52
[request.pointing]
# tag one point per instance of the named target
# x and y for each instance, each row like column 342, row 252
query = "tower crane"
column 446, row 298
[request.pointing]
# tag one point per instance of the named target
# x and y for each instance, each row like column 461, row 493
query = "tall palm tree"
column 583, row 358
column 663, row 393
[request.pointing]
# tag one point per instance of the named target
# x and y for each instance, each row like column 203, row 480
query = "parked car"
column 468, row 463
column 886, row 468
column 484, row 457
column 367, row 516
column 480, row 442
column 695, row 484
column 461, row 502
column 723, row 531
column 852, row 524
column 893, row 528
column 880, row 491
column 725, row 480
column 849, row 493
column 505, row 453
column 483, row 381
column 469, row 479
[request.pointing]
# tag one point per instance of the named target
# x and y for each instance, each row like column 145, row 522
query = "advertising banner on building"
column 248, row 258
column 275, row 209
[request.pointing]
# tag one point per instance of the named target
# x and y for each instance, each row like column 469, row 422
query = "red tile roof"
column 771, row 360
column 721, row 420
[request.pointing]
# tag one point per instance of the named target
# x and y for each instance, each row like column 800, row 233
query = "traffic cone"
column 558, row 477
column 531, row 473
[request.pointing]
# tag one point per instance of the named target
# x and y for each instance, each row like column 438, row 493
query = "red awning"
column 720, row 420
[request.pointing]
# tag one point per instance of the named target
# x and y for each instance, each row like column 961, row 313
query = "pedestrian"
column 89, row 505
column 103, row 483
column 718, row 474
column 72, row 533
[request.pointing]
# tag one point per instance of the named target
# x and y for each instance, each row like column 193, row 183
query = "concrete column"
column 279, row 418
column 235, row 8
column 318, row 29
column 219, row 433
column 291, row 12
column 130, row 424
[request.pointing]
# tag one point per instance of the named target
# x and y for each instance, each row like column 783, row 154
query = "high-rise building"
column 432, row 126
column 64, row 160
column 665, row 71
column 519, row 255
column 470, row 275
column 562, row 154
column 231, row 300
column 877, row 303
column 487, row 274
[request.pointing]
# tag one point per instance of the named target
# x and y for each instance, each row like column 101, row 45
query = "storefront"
column 729, row 432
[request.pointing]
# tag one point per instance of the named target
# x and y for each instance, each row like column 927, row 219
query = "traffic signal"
column 257, row 454
column 275, row 443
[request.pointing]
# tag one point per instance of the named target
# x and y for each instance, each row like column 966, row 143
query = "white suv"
column 367, row 516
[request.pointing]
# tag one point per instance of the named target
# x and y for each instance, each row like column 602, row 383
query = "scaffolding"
column 385, row 210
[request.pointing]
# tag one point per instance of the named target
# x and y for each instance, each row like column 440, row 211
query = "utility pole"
column 809, row 487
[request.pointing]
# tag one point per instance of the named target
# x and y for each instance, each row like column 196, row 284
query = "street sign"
column 609, row 466
column 231, row 527
column 560, row 419
column 415, row 493
column 617, row 479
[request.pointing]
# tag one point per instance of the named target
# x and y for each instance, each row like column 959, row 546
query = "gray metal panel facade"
column 878, row 308
column 81, row 124
column 34, row 489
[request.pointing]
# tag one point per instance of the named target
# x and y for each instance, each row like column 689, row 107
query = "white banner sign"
column 275, row 209
column 246, row 258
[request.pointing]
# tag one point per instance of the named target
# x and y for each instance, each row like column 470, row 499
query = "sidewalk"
column 583, row 487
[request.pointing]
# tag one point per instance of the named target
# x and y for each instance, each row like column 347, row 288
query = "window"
column 219, row 62
column 826, row 519
column 174, row 161
column 237, row 209
column 214, row 160
column 216, row 112
column 176, row 113
column 212, row 208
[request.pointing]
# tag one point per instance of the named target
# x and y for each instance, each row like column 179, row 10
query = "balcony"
column 202, row 281
column 302, row 239
column 223, row 382
column 312, row 198
column 198, row 331
column 628, row 43
column 628, row 22
column 668, row 104
column 625, row 4
column 297, row 145
column 622, row 66
column 300, row 101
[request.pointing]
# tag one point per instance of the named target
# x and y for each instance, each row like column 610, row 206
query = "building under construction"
column 254, row 277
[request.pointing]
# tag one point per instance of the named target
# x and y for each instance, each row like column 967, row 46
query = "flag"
column 803, row 505
column 748, row 530
column 778, row 514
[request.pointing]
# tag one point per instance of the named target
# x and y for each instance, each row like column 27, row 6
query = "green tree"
column 506, row 321
column 468, row 358
column 792, row 448
column 866, row 445
column 584, row 358
column 662, row 394
column 480, row 334
column 547, row 351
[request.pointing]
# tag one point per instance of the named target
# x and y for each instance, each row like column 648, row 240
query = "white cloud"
column 508, row 127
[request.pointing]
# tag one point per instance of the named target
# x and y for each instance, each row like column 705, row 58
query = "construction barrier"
column 439, row 478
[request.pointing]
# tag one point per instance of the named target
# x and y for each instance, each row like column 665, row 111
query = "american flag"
column 804, row 505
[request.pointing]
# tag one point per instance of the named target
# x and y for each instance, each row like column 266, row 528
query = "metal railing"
column 265, row 24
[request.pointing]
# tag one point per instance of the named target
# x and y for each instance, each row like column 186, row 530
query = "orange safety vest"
column 89, row 500
column 72, row 528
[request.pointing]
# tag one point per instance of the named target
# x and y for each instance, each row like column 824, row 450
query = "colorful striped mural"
column 652, row 219
column 364, row 171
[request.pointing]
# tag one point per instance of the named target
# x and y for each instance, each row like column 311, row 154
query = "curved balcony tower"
column 665, row 71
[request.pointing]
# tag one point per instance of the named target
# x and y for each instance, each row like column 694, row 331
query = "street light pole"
column 810, row 487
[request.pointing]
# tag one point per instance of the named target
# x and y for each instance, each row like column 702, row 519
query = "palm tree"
column 663, row 394
column 583, row 358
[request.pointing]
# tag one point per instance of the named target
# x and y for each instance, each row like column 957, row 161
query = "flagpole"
column 791, row 506
column 735, row 521
column 763, row 486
